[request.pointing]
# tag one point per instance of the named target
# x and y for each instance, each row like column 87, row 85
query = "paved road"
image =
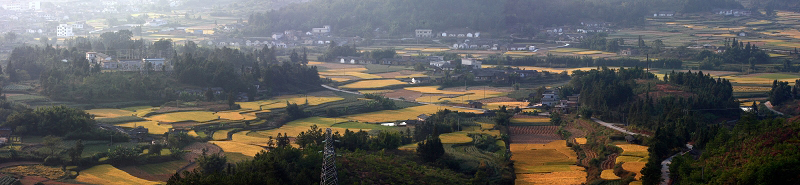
column 611, row 126
column 770, row 107
column 396, row 99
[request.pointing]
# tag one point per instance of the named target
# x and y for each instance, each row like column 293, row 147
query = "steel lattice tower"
column 329, row 161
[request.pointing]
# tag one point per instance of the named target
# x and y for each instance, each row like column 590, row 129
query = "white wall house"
column 64, row 30
column 324, row 29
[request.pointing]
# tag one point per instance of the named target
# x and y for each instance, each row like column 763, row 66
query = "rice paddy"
column 235, row 147
column 280, row 102
column 199, row 116
column 292, row 129
column 635, row 167
column 463, row 136
column 152, row 127
column 609, row 175
column 360, row 75
column 403, row 114
column 552, row 163
column 580, row 140
column 371, row 84
column 109, row 113
column 634, row 150
column 107, row 174
column 496, row 105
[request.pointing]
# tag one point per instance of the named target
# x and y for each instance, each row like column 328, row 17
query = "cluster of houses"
column 453, row 33
column 112, row 63
column 732, row 12
column 551, row 98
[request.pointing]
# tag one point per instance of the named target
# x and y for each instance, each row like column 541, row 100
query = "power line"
column 329, row 176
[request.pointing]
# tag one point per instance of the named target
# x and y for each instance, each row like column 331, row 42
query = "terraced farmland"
column 107, row 174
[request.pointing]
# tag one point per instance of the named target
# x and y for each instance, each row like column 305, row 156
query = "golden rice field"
column 230, row 146
column 609, row 175
column 751, row 89
column 199, row 116
column 433, row 90
column 280, row 102
column 109, row 113
column 496, row 105
column 554, row 178
column 580, row 140
column 152, row 127
column 107, row 174
column 521, row 53
column 230, row 115
column 627, row 159
column 368, row 84
column 552, row 163
column 462, row 136
column 292, row 129
column 403, row 114
column 412, row 75
column 634, row 167
column 464, row 97
column 349, row 73
column 551, row 70
column 374, row 91
column 220, row 135
column 345, row 70
column 144, row 111
column 634, row 150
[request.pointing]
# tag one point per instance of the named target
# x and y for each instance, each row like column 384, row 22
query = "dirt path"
column 611, row 126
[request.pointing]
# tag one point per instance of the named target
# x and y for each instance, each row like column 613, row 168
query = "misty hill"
column 366, row 17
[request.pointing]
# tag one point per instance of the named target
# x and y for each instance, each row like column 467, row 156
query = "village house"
column 355, row 60
column 326, row 29
column 425, row 33
column 550, row 98
column 664, row 14
column 732, row 12
column 462, row 32
column 422, row 117
column 471, row 62
column 521, row 47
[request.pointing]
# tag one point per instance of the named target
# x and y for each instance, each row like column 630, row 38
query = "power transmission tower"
column 329, row 161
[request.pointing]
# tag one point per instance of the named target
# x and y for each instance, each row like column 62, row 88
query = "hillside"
column 755, row 152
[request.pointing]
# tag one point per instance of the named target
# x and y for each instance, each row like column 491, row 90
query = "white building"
column 64, row 30
column 475, row 64
column 325, row 29
column 158, row 63
column 424, row 33
column 155, row 23
column 35, row 5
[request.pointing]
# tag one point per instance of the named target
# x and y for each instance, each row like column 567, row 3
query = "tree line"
column 578, row 61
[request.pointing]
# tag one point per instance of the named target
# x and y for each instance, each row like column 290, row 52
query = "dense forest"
column 66, row 75
column 683, row 107
column 369, row 17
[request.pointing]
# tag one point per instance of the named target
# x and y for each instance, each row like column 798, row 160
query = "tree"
column 209, row 95
column 294, row 57
column 10, row 37
column 231, row 100
column 53, row 144
column 431, row 149
column 211, row 164
column 641, row 43
column 76, row 152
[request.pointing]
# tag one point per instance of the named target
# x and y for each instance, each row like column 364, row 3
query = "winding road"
column 611, row 126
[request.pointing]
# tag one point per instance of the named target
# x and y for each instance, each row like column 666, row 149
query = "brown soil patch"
column 533, row 134
column 497, row 99
column 403, row 93
column 498, row 89
column 196, row 150
column 398, row 73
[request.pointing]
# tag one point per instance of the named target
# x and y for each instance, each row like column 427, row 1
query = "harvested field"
column 371, row 84
column 35, row 170
column 580, row 141
column 235, row 147
column 533, row 134
column 280, row 101
column 403, row 114
column 510, row 105
column 402, row 74
column 554, row 178
column 609, row 175
column 551, row 163
column 634, row 150
column 635, row 167
column 199, row 116
column 107, row 174
column 153, row 127
column 109, row 113
column 155, row 172
column 530, row 120
column 404, row 94
column 609, row 162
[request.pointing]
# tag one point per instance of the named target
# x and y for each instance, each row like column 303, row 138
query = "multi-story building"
column 64, row 30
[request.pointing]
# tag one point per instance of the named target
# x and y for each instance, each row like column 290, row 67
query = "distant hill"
column 367, row 17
